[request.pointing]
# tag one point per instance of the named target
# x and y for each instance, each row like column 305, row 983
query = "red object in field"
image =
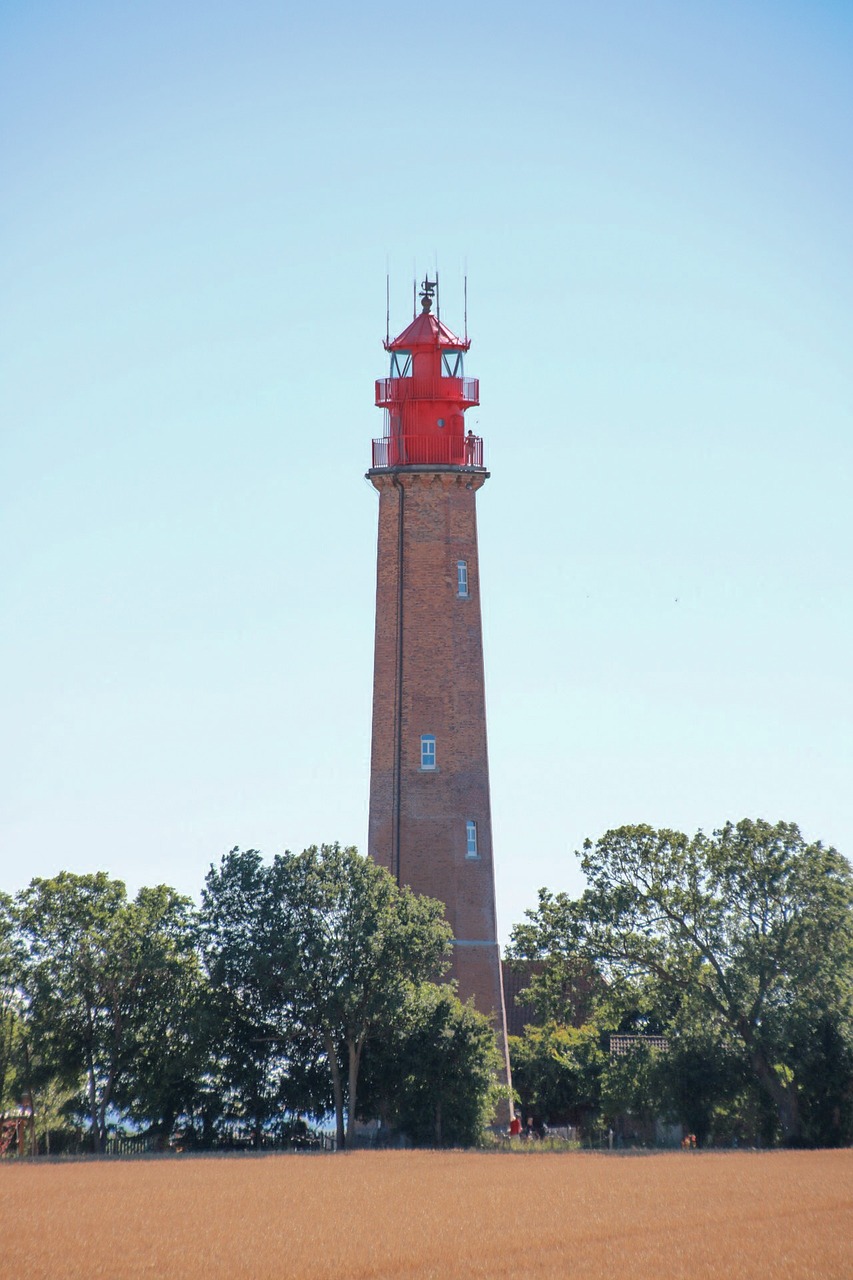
column 426, row 396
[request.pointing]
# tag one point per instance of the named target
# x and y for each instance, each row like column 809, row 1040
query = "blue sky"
column 198, row 206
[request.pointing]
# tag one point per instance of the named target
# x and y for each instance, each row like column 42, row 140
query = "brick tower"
column 430, row 816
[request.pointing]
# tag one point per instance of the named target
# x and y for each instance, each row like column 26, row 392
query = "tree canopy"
column 97, row 969
column 10, row 1003
column 247, row 1014
column 322, row 945
column 751, row 926
column 433, row 1073
column 307, row 983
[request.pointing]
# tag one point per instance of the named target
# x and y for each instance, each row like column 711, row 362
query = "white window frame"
column 471, row 847
column 428, row 751
column 462, row 589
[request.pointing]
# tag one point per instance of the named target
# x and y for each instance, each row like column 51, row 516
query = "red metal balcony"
column 394, row 390
column 434, row 450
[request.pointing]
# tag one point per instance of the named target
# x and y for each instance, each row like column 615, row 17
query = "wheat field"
column 432, row 1214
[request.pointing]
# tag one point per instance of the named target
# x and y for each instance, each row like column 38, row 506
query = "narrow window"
column 401, row 364
column 471, row 839
column 451, row 364
column 462, row 577
column 427, row 750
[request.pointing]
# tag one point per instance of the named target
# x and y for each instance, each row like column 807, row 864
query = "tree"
column 271, row 1060
column 820, row 1051
column 364, row 941
column 433, row 1073
column 248, row 947
column 11, row 1012
column 557, row 1071
column 169, row 1054
column 752, row 923
column 703, row 1080
column 631, row 1086
column 96, row 969
column 319, row 950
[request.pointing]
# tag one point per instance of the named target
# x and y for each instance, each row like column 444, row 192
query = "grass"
column 432, row 1214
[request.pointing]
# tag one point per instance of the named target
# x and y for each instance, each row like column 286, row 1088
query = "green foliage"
column 317, row 951
column 567, row 988
column 169, row 1055
column 433, row 1074
column 738, row 947
column 54, row 1110
column 12, row 1083
column 249, row 940
column 99, row 970
column 557, row 1071
column 631, row 1085
column 822, row 1056
column 751, row 926
column 258, row 1009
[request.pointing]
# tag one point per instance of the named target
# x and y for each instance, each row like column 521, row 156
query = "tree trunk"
column 337, row 1088
column 93, row 1106
column 28, row 1081
column 784, row 1096
column 167, row 1122
column 5, row 1054
column 102, row 1126
column 354, row 1047
column 438, row 1123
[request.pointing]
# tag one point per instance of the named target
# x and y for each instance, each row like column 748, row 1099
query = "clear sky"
column 198, row 205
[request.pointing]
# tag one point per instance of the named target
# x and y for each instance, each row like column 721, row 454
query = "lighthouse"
column 430, row 818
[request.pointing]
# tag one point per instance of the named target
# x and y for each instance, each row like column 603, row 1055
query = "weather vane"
column 427, row 292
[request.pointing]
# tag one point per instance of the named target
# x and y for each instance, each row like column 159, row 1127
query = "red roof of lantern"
column 426, row 330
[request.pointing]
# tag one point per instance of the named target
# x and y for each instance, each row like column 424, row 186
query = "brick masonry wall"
column 439, row 689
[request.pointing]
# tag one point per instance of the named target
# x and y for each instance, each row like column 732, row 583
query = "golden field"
column 432, row 1214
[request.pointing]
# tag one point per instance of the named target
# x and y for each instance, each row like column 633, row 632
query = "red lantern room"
column 425, row 397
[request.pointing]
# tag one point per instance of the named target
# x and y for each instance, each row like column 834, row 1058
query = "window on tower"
column 471, row 839
column 401, row 364
column 427, row 750
column 462, row 578
column 451, row 364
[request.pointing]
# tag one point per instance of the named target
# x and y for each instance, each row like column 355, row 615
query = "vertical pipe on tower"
column 398, row 695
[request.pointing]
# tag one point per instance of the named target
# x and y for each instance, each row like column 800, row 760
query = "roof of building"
column 426, row 330
column 517, row 976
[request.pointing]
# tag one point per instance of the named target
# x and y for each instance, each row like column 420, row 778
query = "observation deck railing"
column 393, row 390
column 414, row 451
